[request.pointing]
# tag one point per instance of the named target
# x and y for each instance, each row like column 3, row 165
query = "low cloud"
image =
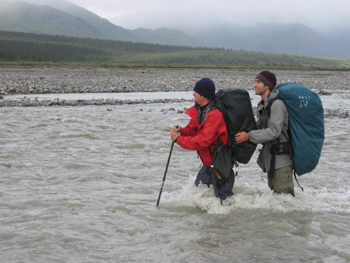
column 180, row 13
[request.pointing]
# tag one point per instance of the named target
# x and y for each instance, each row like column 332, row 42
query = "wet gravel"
column 55, row 80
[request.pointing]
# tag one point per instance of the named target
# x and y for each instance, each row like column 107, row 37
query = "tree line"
column 20, row 50
column 24, row 47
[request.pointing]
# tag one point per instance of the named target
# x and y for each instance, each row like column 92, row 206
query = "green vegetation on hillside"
column 28, row 47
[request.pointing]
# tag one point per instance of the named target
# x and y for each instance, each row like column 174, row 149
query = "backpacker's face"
column 198, row 99
column 261, row 89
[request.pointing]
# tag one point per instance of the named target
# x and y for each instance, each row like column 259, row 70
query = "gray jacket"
column 270, row 129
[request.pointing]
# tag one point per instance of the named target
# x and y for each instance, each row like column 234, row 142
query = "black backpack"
column 236, row 107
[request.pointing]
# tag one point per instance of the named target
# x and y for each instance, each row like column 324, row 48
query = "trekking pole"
column 166, row 170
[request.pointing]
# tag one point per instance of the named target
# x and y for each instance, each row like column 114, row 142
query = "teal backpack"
column 306, row 125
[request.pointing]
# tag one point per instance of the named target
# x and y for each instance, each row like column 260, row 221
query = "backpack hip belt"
column 277, row 149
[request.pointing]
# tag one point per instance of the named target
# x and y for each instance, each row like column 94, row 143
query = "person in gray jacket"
column 272, row 131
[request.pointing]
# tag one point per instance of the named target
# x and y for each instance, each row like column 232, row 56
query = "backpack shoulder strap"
column 211, row 106
column 268, row 107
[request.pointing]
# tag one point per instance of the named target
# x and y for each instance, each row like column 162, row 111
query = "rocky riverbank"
column 97, row 80
column 57, row 80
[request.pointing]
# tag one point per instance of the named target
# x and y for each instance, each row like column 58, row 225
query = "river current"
column 80, row 184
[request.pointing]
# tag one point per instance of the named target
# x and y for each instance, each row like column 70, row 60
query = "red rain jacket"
column 199, row 137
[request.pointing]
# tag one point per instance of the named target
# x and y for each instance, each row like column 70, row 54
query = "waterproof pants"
column 282, row 181
column 205, row 177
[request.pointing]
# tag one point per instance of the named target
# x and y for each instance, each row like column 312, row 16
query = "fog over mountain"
column 317, row 28
column 320, row 15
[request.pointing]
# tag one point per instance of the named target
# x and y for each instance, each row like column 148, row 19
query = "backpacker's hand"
column 241, row 137
column 174, row 133
column 174, row 136
column 175, row 129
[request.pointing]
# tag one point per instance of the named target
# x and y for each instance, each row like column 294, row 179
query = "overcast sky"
column 153, row 14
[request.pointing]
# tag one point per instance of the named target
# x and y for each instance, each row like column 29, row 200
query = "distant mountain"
column 63, row 18
column 272, row 37
column 341, row 40
column 30, row 18
column 294, row 38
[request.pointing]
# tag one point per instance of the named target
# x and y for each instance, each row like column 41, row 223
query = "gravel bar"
column 57, row 80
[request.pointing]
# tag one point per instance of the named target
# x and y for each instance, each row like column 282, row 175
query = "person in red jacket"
column 206, row 126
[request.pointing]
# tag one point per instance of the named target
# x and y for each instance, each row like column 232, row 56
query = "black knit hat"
column 205, row 87
column 268, row 78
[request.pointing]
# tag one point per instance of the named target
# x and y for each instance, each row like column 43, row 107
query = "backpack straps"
column 295, row 176
column 276, row 149
column 215, row 145
column 268, row 107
